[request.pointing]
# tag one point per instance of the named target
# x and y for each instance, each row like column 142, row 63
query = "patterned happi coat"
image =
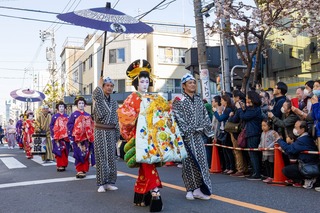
column 190, row 115
column 60, row 140
column 105, row 112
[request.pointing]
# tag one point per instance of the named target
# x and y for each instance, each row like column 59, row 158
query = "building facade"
column 164, row 49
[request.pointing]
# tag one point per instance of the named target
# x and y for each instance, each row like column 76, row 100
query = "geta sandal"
column 155, row 193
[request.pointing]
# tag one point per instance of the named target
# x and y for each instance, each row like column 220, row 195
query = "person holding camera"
column 304, row 142
column 250, row 113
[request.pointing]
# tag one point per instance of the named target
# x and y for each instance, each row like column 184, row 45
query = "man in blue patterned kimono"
column 106, row 134
column 193, row 122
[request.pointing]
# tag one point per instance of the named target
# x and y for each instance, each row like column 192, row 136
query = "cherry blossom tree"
column 259, row 22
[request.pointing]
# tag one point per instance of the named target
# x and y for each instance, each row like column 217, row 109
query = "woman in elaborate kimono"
column 81, row 134
column 59, row 136
column 148, row 182
column 28, row 127
column 193, row 122
column 10, row 134
column 19, row 125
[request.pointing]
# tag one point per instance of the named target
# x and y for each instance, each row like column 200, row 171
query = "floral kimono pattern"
column 128, row 113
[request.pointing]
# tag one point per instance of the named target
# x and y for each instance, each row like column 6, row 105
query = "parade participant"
column 81, row 135
column 106, row 134
column 10, row 134
column 43, row 122
column 19, row 125
column 1, row 134
column 28, row 127
column 59, row 135
column 193, row 121
column 148, row 182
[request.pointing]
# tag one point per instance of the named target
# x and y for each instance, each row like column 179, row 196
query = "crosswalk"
column 13, row 163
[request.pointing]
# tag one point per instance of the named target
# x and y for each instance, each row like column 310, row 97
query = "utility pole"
column 202, row 49
column 225, row 54
column 51, row 58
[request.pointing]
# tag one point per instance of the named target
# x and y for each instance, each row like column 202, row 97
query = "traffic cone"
column 279, row 177
column 170, row 163
column 215, row 159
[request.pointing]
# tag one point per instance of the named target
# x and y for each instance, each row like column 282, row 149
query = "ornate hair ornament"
column 138, row 66
column 60, row 103
column 79, row 98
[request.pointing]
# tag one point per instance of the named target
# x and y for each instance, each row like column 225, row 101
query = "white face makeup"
column 143, row 85
column 30, row 117
column 61, row 108
column 81, row 105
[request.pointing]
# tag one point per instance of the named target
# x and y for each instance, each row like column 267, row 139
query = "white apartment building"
column 164, row 49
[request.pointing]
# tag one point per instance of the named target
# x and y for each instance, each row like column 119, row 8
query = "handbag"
column 242, row 139
column 232, row 127
column 222, row 136
column 309, row 170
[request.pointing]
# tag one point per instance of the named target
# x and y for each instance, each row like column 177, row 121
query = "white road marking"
column 38, row 159
column 54, row 180
column 12, row 163
column 71, row 159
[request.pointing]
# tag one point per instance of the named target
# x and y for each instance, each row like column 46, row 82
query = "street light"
column 206, row 8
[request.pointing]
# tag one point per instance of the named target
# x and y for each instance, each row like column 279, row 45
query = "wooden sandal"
column 155, row 193
column 80, row 175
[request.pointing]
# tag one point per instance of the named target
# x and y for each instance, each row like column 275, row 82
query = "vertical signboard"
column 205, row 84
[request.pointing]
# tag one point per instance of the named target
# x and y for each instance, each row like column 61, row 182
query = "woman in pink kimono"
column 10, row 134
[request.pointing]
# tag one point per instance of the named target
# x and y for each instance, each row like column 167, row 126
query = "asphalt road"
column 40, row 188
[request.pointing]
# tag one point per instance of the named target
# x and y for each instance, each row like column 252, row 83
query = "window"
column 90, row 61
column 90, row 89
column 171, row 55
column 121, row 85
column 84, row 90
column 177, row 86
column 116, row 56
column 75, row 77
column 84, row 66
column 172, row 85
column 63, row 67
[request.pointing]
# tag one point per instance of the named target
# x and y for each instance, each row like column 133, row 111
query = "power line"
column 33, row 19
column 52, row 25
column 29, row 10
column 69, row 10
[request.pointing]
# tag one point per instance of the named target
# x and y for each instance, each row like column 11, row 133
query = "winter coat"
column 252, row 117
column 286, row 124
column 303, row 143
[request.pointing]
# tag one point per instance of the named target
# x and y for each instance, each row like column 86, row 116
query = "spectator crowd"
column 260, row 119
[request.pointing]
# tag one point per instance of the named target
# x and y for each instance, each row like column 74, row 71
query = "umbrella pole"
column 103, row 52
